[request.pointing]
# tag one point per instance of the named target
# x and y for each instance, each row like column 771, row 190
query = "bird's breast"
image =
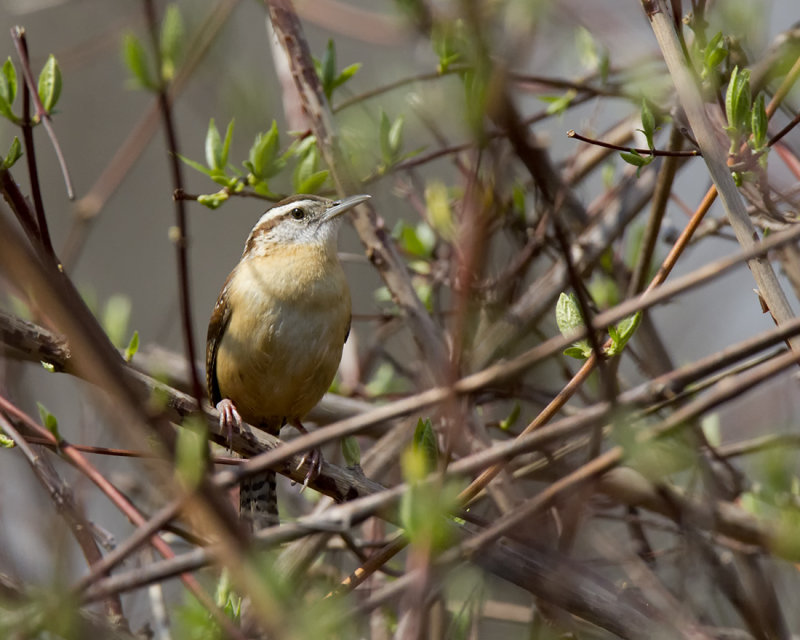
column 283, row 344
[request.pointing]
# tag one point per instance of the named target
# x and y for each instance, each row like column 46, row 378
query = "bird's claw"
column 315, row 462
column 229, row 419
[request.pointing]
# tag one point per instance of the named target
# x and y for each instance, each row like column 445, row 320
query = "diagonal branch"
column 715, row 158
column 67, row 506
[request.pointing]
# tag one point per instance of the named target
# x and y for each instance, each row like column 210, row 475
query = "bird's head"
column 299, row 220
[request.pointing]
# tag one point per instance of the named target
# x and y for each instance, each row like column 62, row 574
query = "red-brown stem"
column 75, row 457
column 180, row 210
column 644, row 152
column 30, row 149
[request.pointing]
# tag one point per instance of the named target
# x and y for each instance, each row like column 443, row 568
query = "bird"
column 277, row 331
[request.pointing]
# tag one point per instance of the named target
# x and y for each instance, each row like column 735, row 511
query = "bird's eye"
column 298, row 213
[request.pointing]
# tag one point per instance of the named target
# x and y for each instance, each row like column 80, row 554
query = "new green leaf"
column 191, row 451
column 636, row 159
column 136, row 60
column 328, row 69
column 133, row 347
column 195, row 165
column 14, row 154
column 8, row 90
column 509, row 421
column 622, row 332
column 447, row 38
column 437, row 203
column 49, row 84
column 116, row 315
column 263, row 160
column 568, row 319
column 568, row 314
column 395, row 137
column 425, row 442
column 217, row 149
column 8, row 82
column 213, row 200
column 49, row 421
column 648, row 124
column 346, row 73
column 713, row 55
column 313, row 182
column 351, row 451
column 391, row 137
column 170, row 41
column 737, row 105
column 758, row 122
column 557, row 105
column 587, row 48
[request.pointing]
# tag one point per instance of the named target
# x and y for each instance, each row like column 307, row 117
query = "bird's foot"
column 313, row 457
column 229, row 419
column 315, row 462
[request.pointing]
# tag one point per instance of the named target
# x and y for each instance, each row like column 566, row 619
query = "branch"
column 645, row 152
column 181, row 240
column 21, row 43
column 64, row 501
column 19, row 205
column 716, row 160
column 17, row 35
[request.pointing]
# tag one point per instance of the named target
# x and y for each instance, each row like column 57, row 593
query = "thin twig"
column 17, row 34
column 181, row 240
column 126, row 453
column 126, row 507
column 666, row 178
column 64, row 502
column 180, row 194
column 21, row 43
column 644, row 152
column 789, row 126
column 13, row 196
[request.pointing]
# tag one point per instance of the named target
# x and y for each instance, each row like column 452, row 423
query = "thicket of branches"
column 512, row 448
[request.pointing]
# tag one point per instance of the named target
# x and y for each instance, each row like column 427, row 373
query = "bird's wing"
column 220, row 318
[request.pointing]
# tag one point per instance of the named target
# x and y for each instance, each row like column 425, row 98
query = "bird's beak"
column 341, row 206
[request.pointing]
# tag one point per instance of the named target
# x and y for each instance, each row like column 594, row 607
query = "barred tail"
column 258, row 500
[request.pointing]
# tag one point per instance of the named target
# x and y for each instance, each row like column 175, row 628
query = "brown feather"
column 220, row 318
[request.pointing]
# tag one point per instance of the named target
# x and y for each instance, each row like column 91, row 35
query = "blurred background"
column 115, row 236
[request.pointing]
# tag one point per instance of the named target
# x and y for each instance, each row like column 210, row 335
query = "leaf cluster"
column 265, row 160
column 48, row 91
column 569, row 319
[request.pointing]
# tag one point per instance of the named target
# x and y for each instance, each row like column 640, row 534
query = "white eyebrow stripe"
column 282, row 210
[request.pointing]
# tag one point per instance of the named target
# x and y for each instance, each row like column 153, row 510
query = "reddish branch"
column 644, row 152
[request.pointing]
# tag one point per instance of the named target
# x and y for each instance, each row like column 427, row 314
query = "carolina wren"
column 275, row 337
